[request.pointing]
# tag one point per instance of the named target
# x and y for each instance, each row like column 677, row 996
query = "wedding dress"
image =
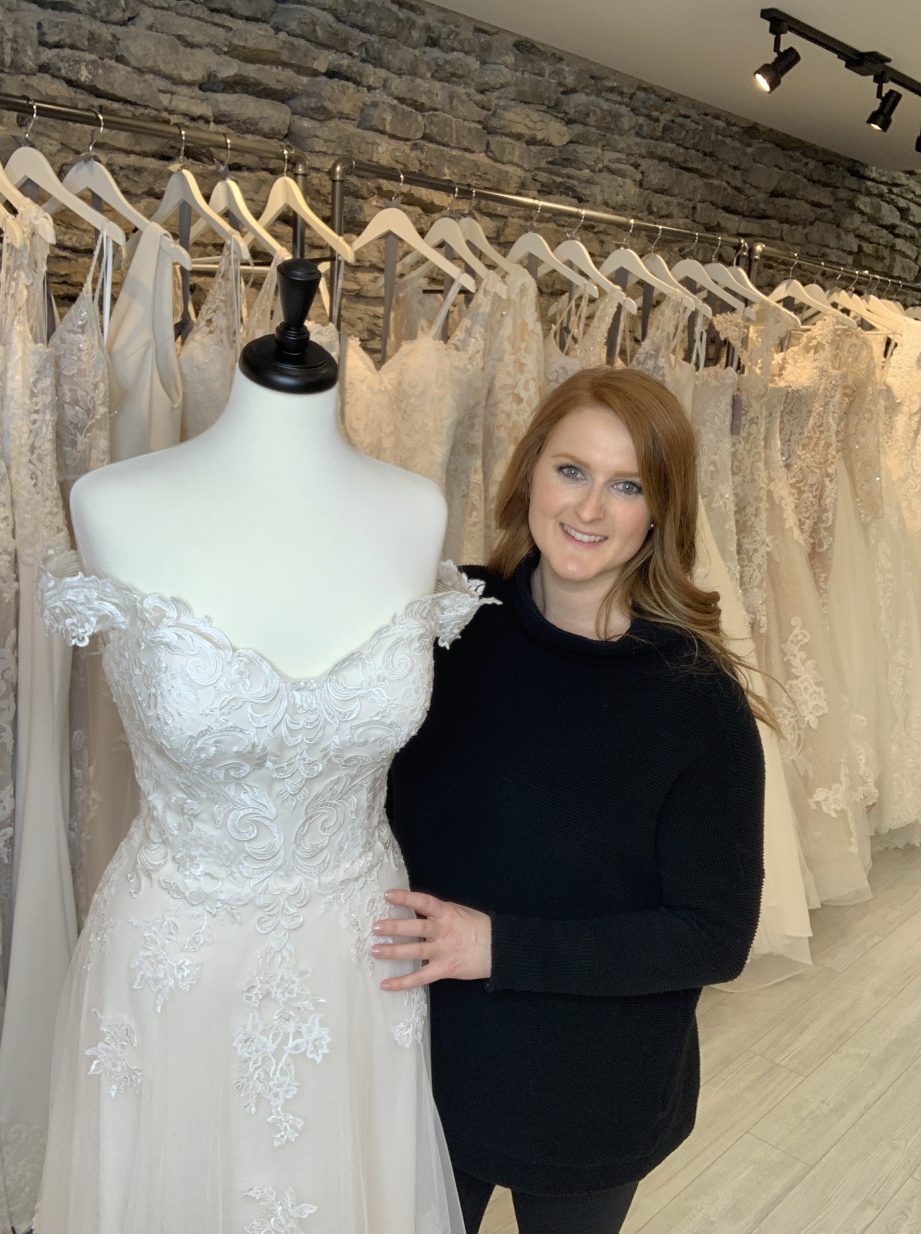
column 791, row 638
column 82, row 396
column 781, row 944
column 146, row 389
column 44, row 924
column 226, row 1061
column 208, row 359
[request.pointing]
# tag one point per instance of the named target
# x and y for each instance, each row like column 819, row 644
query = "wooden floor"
column 810, row 1110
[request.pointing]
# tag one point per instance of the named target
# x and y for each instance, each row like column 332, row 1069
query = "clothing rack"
column 752, row 252
column 761, row 251
column 213, row 139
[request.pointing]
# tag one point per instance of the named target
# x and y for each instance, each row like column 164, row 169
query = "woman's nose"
column 591, row 505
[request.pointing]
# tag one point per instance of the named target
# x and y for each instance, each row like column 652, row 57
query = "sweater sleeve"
column 710, row 857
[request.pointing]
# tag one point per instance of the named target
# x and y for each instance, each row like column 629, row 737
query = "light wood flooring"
column 810, row 1109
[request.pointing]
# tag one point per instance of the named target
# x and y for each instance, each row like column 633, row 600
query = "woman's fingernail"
column 378, row 927
column 377, row 950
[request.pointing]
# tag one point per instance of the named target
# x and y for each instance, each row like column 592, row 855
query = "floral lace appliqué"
column 283, row 1213
column 268, row 1045
column 163, row 964
column 110, row 1056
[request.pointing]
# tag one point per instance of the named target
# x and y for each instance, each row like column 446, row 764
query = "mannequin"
column 269, row 523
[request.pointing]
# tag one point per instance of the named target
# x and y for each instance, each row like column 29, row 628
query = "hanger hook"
column 657, row 239
column 472, row 207
column 181, row 143
column 97, row 133
column 398, row 191
column 27, row 135
column 793, row 264
column 227, row 153
column 534, row 220
column 741, row 251
column 693, row 243
column 452, row 204
column 285, row 152
column 630, row 232
column 719, row 245
column 578, row 227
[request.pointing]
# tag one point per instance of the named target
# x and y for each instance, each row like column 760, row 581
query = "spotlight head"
column 769, row 76
column 881, row 117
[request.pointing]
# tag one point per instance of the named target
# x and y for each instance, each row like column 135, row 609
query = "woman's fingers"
column 410, row 927
column 418, row 901
column 400, row 951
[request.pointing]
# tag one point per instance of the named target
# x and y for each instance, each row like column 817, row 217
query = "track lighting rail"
column 865, row 63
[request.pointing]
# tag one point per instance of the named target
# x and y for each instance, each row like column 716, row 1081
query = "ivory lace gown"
column 44, row 920
column 781, row 944
column 225, row 1059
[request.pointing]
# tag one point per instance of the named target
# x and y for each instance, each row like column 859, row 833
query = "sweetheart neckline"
column 239, row 652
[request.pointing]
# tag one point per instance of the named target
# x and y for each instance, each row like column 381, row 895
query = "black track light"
column 769, row 76
column 881, row 117
column 918, row 144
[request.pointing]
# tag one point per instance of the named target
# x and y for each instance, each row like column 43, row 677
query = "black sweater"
column 603, row 802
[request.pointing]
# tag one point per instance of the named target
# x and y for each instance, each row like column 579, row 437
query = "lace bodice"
column 828, row 377
column 27, row 391
column 208, row 359
column 253, row 781
column 82, row 376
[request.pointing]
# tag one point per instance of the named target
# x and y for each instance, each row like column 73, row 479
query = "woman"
column 581, row 816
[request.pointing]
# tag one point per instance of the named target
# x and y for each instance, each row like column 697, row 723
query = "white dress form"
column 271, row 524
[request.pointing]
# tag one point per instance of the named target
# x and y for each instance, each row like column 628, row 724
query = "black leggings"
column 593, row 1212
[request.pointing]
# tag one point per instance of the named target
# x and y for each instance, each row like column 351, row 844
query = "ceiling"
column 709, row 49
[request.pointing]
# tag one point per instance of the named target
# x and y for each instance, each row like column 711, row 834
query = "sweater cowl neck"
column 642, row 637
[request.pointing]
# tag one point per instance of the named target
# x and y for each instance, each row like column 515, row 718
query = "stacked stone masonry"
column 418, row 88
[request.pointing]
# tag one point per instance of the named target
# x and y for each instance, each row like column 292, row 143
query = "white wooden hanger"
column 792, row 289
column 533, row 244
column 476, row 237
column 9, row 192
column 182, row 190
column 227, row 198
column 446, row 230
column 626, row 259
column 89, row 173
column 697, row 273
column 285, row 195
column 656, row 264
column 574, row 253
column 393, row 221
column 859, row 307
column 736, row 278
column 28, row 163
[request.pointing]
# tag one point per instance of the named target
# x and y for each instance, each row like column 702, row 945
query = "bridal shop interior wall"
column 414, row 86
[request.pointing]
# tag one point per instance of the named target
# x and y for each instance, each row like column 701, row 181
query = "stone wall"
column 416, row 87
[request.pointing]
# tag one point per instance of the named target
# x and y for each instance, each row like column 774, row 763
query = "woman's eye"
column 629, row 487
column 570, row 471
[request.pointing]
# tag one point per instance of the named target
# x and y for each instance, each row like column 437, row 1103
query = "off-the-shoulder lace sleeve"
column 77, row 605
column 456, row 599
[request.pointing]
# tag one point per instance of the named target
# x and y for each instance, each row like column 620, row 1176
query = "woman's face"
column 588, row 514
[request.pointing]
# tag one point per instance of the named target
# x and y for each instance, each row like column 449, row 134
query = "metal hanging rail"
column 194, row 136
column 761, row 251
column 343, row 168
column 748, row 249
column 186, row 134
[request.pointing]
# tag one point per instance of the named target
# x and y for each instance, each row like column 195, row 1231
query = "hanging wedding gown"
column 208, row 359
column 83, row 430
column 781, row 944
column 44, row 924
column 226, row 1060
column 791, row 640
column 146, row 389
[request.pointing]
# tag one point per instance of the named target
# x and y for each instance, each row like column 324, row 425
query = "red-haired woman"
column 581, row 815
